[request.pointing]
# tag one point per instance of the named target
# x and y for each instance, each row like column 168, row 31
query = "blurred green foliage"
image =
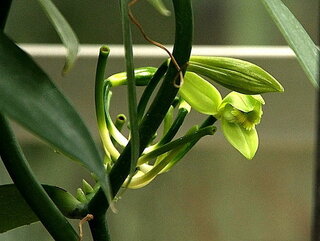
column 217, row 22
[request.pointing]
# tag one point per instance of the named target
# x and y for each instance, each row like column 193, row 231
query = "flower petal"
column 242, row 102
column 200, row 94
column 245, row 141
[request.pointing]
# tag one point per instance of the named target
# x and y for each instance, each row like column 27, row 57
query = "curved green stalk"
column 208, row 122
column 101, row 87
column 175, row 155
column 140, row 181
column 115, row 133
column 150, row 88
column 131, row 86
column 27, row 184
column 168, row 120
column 120, row 121
column 182, row 113
column 209, row 130
column 160, row 105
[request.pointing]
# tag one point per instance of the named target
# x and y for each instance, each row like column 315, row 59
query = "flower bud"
column 81, row 196
column 86, row 187
column 235, row 74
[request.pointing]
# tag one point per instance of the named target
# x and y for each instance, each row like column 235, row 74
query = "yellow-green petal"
column 200, row 94
column 245, row 141
column 242, row 102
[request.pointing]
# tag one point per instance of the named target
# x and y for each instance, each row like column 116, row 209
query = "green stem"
column 116, row 135
column 27, row 184
column 120, row 121
column 160, row 106
column 174, row 127
column 101, row 87
column 208, row 122
column 150, row 88
column 99, row 228
column 208, row 130
column 131, row 86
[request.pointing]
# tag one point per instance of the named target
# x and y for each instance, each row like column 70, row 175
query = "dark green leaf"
column 297, row 38
column 15, row 212
column 67, row 36
column 28, row 96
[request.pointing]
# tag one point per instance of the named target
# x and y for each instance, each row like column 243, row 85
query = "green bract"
column 235, row 74
column 239, row 115
column 200, row 94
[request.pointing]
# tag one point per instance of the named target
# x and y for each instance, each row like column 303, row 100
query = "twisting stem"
column 160, row 105
column 146, row 37
column 150, row 88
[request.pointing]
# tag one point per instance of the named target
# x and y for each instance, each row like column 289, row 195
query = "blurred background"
column 213, row 194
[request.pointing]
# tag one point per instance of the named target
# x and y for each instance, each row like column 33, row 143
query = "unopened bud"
column 235, row 74
column 86, row 187
column 81, row 196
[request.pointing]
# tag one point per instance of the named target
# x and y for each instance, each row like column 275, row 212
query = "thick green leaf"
column 28, row 96
column 297, row 38
column 15, row 212
column 65, row 32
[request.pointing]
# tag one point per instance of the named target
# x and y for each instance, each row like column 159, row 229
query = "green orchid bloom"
column 239, row 114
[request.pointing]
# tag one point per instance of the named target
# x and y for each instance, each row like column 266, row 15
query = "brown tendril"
column 147, row 38
column 82, row 221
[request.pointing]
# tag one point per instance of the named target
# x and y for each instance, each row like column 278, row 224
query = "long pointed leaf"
column 297, row 38
column 131, row 86
column 65, row 32
column 28, row 96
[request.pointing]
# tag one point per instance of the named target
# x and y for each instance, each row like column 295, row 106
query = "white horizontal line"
column 143, row 51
